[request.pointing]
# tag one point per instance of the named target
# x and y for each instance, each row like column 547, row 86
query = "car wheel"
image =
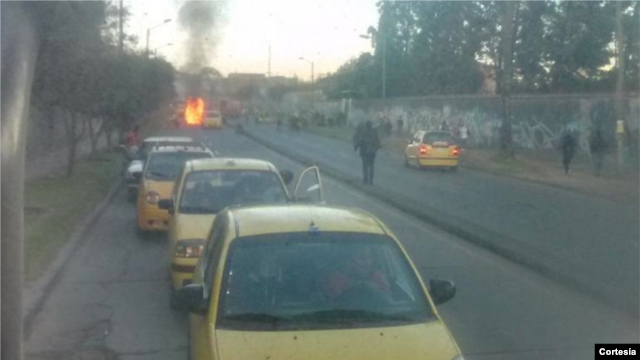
column 142, row 234
column 454, row 168
column 173, row 301
column 131, row 195
column 406, row 161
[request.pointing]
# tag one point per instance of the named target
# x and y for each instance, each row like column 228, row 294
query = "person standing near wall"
column 568, row 144
column 400, row 125
column 598, row 146
column 368, row 143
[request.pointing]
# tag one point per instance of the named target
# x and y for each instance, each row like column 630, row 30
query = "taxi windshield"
column 166, row 166
column 319, row 281
column 207, row 192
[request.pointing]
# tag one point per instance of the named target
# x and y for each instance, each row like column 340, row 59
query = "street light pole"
column 383, row 40
column 149, row 34
column 384, row 68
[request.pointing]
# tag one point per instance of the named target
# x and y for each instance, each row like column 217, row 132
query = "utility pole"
column 147, row 47
column 19, row 53
column 506, row 43
column 120, row 26
column 384, row 67
column 269, row 64
column 619, row 105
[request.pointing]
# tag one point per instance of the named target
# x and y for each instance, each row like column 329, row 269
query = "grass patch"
column 53, row 207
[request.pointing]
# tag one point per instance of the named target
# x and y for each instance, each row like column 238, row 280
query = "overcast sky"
column 325, row 32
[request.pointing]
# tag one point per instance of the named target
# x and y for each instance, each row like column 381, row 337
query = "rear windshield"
column 207, row 192
column 319, row 281
column 433, row 137
column 166, row 166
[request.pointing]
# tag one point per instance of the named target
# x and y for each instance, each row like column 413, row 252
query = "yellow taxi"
column 212, row 119
column 205, row 187
column 162, row 166
column 311, row 282
column 432, row 149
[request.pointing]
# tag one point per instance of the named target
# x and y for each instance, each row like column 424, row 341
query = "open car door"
column 309, row 187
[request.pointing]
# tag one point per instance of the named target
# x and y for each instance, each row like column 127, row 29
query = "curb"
column 501, row 245
column 35, row 296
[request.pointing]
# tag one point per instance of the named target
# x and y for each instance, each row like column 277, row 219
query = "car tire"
column 454, row 169
column 142, row 234
column 131, row 195
column 173, row 301
column 406, row 161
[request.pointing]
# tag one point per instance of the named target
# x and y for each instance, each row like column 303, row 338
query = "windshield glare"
column 166, row 166
column 207, row 192
column 319, row 281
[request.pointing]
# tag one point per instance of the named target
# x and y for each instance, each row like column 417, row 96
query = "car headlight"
column 189, row 248
column 152, row 197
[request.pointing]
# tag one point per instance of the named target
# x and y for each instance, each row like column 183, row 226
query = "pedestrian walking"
column 568, row 144
column 444, row 126
column 132, row 141
column 598, row 146
column 368, row 142
column 400, row 125
column 464, row 134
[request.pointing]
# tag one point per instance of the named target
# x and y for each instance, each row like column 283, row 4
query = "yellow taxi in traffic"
column 212, row 119
column 205, row 187
column 432, row 149
column 311, row 282
column 162, row 166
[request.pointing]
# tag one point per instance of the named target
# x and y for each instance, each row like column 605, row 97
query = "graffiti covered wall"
column 538, row 120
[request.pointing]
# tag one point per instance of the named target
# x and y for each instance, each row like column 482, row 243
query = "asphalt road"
column 588, row 240
column 112, row 301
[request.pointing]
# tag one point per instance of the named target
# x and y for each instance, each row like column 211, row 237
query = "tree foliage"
column 452, row 47
column 83, row 74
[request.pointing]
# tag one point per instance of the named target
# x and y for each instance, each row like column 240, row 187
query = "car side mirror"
column 190, row 298
column 441, row 291
column 287, row 176
column 166, row 204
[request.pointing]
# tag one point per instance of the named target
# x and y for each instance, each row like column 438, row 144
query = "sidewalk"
column 542, row 166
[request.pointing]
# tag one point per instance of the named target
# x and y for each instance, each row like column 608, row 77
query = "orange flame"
column 194, row 111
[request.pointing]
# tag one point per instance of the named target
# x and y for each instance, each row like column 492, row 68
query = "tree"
column 83, row 77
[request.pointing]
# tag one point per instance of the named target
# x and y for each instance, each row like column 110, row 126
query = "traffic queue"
column 254, row 264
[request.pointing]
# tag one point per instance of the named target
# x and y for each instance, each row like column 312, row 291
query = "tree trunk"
column 620, row 112
column 73, row 138
column 506, row 40
column 94, row 137
column 70, row 129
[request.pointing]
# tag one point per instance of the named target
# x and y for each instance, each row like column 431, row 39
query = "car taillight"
column 423, row 149
column 152, row 197
column 456, row 151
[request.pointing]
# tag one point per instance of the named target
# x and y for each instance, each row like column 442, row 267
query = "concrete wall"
column 538, row 120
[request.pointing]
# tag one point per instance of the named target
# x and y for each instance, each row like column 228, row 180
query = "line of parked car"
column 266, row 273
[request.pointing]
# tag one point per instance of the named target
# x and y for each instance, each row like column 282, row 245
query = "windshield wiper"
column 159, row 175
column 349, row 315
column 257, row 317
column 198, row 210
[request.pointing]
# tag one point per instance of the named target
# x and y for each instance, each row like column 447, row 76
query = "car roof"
column 228, row 164
column 168, row 139
column 274, row 219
